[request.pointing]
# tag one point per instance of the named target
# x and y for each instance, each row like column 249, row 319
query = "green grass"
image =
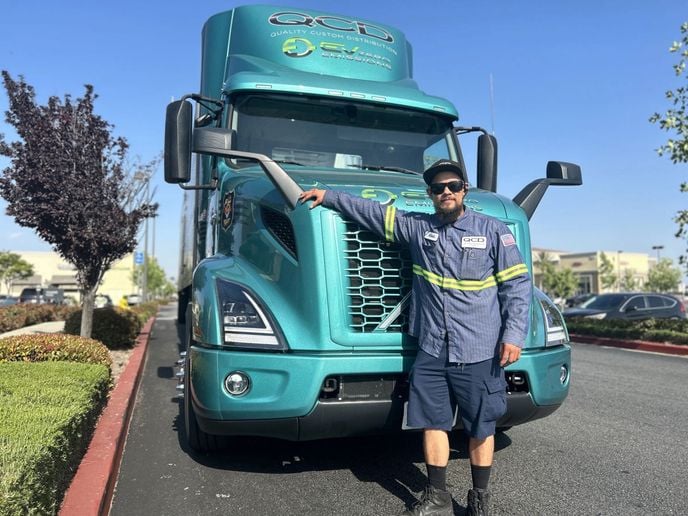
column 47, row 412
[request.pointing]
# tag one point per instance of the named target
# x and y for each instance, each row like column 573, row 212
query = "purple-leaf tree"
column 68, row 180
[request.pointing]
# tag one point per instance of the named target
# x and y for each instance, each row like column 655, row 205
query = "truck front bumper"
column 286, row 397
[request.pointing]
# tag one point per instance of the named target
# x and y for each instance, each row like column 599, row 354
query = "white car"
column 133, row 299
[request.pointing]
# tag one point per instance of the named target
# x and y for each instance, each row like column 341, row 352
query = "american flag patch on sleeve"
column 508, row 239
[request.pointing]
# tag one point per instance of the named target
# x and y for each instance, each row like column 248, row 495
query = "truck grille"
column 379, row 275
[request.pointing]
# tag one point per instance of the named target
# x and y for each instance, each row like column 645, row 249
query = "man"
column 469, row 310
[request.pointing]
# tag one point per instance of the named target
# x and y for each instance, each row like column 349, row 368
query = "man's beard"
column 449, row 214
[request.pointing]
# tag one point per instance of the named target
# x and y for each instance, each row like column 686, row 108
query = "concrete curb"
column 641, row 345
column 92, row 487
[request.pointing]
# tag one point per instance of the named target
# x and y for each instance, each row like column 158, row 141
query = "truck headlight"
column 554, row 321
column 245, row 323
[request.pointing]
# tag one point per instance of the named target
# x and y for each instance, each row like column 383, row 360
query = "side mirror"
column 487, row 162
column 563, row 173
column 178, row 129
column 558, row 173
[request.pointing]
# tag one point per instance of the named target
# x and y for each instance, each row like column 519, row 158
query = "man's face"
column 447, row 203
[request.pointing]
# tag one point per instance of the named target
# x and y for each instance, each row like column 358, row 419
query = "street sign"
column 138, row 257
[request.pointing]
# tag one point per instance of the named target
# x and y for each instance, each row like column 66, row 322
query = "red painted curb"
column 91, row 489
column 643, row 345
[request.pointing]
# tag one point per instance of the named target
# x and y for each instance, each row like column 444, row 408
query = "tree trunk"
column 88, row 298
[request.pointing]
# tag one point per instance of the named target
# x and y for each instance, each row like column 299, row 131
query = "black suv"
column 630, row 305
column 39, row 295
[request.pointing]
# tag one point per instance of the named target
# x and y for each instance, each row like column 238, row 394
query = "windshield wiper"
column 287, row 162
column 390, row 168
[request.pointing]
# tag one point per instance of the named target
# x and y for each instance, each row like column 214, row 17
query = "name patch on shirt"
column 429, row 235
column 508, row 240
column 474, row 242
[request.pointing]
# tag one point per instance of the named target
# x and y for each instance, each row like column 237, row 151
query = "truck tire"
column 196, row 438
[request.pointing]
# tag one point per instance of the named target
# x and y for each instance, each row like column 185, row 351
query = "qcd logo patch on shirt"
column 474, row 242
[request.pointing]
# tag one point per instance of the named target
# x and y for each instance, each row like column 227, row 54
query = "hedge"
column 48, row 410
column 39, row 347
column 117, row 328
column 13, row 317
column 674, row 331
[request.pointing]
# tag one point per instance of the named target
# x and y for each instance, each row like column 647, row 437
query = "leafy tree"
column 608, row 275
column 68, row 181
column 628, row 282
column 156, row 276
column 12, row 268
column 675, row 121
column 546, row 266
column 564, row 283
column 663, row 277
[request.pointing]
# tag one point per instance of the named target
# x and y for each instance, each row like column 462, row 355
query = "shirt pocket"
column 475, row 264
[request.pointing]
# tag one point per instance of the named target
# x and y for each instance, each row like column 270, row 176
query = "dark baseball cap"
column 443, row 165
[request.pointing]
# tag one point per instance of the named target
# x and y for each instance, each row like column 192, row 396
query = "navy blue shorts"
column 438, row 387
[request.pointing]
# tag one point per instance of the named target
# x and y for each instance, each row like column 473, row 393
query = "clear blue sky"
column 573, row 81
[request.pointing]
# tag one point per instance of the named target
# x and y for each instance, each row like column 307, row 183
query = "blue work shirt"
column 471, row 287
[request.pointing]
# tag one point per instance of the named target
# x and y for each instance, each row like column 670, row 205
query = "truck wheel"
column 197, row 439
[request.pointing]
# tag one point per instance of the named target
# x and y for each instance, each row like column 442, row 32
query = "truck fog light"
column 563, row 374
column 237, row 383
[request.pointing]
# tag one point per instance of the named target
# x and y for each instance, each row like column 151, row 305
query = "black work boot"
column 478, row 503
column 434, row 502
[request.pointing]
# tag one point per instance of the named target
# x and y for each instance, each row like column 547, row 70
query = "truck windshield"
column 332, row 133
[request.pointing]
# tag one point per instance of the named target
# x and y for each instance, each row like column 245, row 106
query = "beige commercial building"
column 586, row 267
column 50, row 269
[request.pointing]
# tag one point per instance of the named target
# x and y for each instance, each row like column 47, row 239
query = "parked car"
column 102, row 300
column 133, row 299
column 8, row 300
column 578, row 300
column 630, row 305
column 38, row 295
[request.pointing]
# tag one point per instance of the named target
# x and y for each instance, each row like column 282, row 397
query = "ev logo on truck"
column 297, row 47
column 332, row 23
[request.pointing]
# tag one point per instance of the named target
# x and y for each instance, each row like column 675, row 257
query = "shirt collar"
column 462, row 223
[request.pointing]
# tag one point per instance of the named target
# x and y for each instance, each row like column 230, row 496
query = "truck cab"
column 296, row 319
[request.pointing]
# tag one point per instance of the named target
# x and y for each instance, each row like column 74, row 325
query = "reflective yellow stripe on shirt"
column 389, row 223
column 511, row 272
column 443, row 282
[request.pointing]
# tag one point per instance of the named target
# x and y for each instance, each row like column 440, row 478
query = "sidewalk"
column 46, row 327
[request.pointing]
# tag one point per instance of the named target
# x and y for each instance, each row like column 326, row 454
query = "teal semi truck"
column 296, row 319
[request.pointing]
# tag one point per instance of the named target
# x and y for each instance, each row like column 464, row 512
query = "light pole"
column 144, row 294
column 618, row 269
column 657, row 248
column 140, row 176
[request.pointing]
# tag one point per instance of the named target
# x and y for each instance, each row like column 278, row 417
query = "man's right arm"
column 367, row 213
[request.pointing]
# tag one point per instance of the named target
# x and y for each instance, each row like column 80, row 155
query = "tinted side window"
column 657, row 302
column 637, row 302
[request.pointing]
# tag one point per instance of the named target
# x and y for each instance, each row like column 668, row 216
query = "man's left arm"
column 514, row 293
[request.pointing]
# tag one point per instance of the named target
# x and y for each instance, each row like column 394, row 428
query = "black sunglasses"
column 454, row 186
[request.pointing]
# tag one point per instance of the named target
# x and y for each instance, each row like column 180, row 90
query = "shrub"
column 114, row 327
column 48, row 412
column 654, row 330
column 145, row 311
column 40, row 347
column 14, row 317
